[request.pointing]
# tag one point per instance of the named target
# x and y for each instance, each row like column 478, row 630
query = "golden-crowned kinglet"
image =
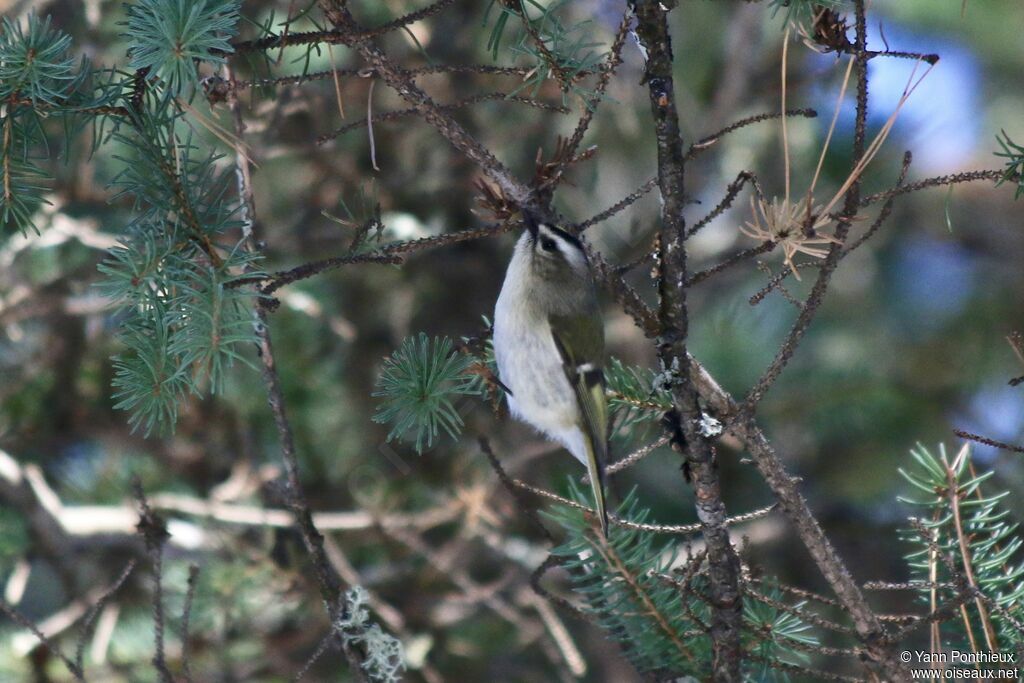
column 549, row 345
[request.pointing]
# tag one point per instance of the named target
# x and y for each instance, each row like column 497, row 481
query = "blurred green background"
column 909, row 344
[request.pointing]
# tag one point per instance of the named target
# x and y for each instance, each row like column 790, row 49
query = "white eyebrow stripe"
column 546, row 231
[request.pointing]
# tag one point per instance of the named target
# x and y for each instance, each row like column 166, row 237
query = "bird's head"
column 554, row 251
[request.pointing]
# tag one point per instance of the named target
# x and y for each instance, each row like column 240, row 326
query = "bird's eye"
column 548, row 244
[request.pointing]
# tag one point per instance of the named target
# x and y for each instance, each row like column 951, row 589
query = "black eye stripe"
column 571, row 239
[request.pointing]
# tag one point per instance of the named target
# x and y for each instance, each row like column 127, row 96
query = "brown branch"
column 736, row 258
column 684, row 529
column 707, row 141
column 154, row 533
column 723, row 563
column 389, row 254
column 186, row 618
column 328, row 582
column 6, row 154
column 306, row 270
column 953, row 494
column 938, row 181
column 930, row 58
column 883, row 215
column 341, row 18
column 626, row 296
column 733, row 189
column 510, row 486
column 636, row 456
column 794, row 506
column 988, row 442
column 630, row 581
column 217, row 88
column 469, row 101
column 288, row 39
column 618, row 206
column 94, row 612
column 591, row 103
column 26, row 623
column 64, row 107
column 803, row 614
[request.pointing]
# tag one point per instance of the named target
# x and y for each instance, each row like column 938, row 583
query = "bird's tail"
column 595, row 472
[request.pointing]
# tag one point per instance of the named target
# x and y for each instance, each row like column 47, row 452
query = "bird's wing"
column 580, row 343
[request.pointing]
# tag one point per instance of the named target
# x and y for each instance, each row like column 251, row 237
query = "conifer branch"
column 653, row 35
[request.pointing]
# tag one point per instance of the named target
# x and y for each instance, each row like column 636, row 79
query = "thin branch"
column 389, row 254
column 733, row 260
column 618, row 206
column 26, row 623
column 631, row 302
column 636, row 456
column 883, row 215
column 953, row 494
column 731, row 191
column 510, row 486
column 650, row 607
column 186, row 618
column 803, row 614
column 154, row 532
column 217, row 88
column 682, row 529
column 94, row 612
column 307, row 270
column 466, row 102
column 938, row 181
column 341, row 18
column 708, row 141
column 591, row 103
column 928, row 57
column 988, row 442
column 328, row 582
column 288, row 39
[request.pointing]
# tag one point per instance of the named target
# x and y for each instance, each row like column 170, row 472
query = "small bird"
column 549, row 346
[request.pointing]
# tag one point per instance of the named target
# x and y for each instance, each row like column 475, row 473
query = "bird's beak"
column 531, row 223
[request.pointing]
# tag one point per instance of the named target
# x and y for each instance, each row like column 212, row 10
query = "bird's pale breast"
column 529, row 364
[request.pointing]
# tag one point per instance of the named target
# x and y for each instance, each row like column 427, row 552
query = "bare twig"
column 742, row 178
column 341, row 18
column 953, row 494
column 94, row 612
column 636, row 456
column 154, row 533
column 186, row 618
column 618, row 206
column 938, row 181
column 453, row 106
column 709, row 140
column 328, row 582
column 288, row 39
column 738, row 257
column 988, row 442
column 591, row 103
column 26, row 623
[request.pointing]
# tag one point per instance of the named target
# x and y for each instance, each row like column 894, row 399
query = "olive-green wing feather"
column 580, row 342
